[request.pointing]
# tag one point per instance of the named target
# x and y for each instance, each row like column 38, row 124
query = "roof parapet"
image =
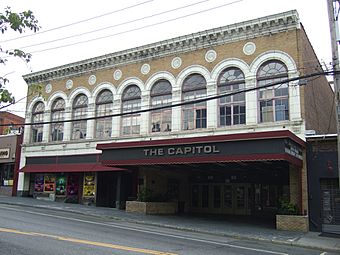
column 239, row 31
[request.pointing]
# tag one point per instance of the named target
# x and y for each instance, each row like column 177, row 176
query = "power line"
column 116, row 25
column 23, row 110
column 196, row 101
column 78, row 22
column 138, row 28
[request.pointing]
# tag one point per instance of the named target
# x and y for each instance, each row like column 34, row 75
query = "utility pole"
column 335, row 62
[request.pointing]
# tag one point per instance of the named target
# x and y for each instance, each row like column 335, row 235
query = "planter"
column 292, row 223
column 152, row 207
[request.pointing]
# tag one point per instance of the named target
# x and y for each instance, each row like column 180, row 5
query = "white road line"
column 324, row 253
column 149, row 232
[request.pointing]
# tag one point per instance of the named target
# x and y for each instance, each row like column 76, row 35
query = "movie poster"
column 89, row 185
column 72, row 186
column 61, row 186
column 49, row 183
column 39, row 183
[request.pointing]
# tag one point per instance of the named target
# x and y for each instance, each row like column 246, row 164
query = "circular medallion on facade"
column 92, row 79
column 145, row 69
column 210, row 56
column 117, row 74
column 48, row 88
column 176, row 62
column 249, row 48
column 69, row 84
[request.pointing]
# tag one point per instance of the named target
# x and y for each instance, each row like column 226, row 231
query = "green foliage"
column 287, row 208
column 35, row 89
column 6, row 96
column 7, row 130
column 144, row 195
column 17, row 22
column 147, row 195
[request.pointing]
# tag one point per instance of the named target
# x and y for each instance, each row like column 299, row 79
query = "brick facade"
column 246, row 45
column 9, row 118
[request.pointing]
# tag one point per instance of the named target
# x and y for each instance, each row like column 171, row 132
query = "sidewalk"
column 226, row 226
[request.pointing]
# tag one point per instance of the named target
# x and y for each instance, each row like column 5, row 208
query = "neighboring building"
column 237, row 154
column 13, row 121
column 323, row 183
column 10, row 149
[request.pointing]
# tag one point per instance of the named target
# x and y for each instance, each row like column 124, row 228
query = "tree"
column 17, row 22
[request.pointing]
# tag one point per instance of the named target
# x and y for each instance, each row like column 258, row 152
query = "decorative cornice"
column 217, row 36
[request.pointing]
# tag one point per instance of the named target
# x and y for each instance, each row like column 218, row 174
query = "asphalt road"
column 39, row 231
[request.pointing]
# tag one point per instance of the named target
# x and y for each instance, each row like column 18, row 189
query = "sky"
column 76, row 30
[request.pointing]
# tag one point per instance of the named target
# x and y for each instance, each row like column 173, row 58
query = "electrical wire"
column 116, row 25
column 196, row 101
column 23, row 111
column 137, row 29
column 77, row 22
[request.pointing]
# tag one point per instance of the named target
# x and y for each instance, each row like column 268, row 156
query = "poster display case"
column 61, row 186
column 49, row 183
column 89, row 185
column 72, row 186
column 39, row 184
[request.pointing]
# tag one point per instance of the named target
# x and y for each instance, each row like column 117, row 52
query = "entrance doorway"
column 106, row 189
column 221, row 198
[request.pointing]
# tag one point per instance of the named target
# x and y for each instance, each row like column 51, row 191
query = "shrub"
column 287, row 208
column 144, row 195
column 147, row 195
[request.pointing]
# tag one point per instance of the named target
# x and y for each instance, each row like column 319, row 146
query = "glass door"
column 228, row 199
column 241, row 197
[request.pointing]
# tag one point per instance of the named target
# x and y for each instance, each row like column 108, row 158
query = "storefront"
column 73, row 179
column 9, row 162
column 323, row 183
column 239, row 174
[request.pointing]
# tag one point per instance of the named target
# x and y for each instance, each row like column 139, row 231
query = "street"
column 40, row 231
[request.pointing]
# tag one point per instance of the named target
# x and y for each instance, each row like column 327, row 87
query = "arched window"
column 104, row 104
column 79, row 111
column 273, row 101
column 37, row 117
column 232, row 109
column 57, row 114
column 131, row 101
column 194, row 115
column 161, row 96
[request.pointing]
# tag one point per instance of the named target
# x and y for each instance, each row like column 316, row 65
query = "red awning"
column 64, row 168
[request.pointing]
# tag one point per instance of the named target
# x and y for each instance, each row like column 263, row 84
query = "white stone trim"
column 249, row 48
column 77, row 91
column 117, row 74
column 92, row 80
column 34, row 101
column 273, row 55
column 176, row 62
column 158, row 76
column 210, row 56
column 190, row 70
column 145, row 69
column 230, row 62
column 69, row 84
column 201, row 40
column 48, row 88
column 104, row 85
column 126, row 83
column 54, row 96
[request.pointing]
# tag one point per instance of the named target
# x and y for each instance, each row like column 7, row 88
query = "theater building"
column 191, row 119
